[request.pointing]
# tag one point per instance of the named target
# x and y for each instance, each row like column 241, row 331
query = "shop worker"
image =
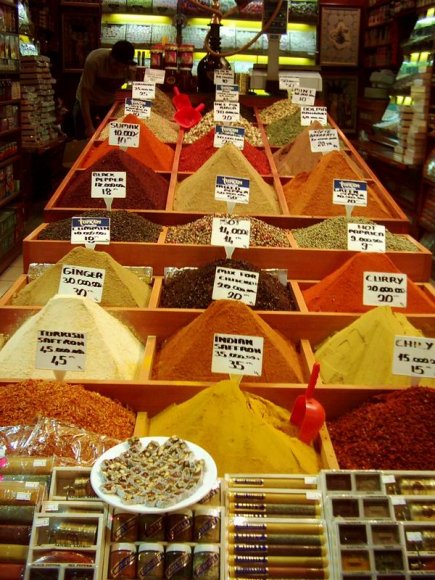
column 105, row 71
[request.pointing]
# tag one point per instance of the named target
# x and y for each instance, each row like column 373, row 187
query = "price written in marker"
column 311, row 114
column 107, row 184
column 228, row 93
column 240, row 285
column 365, row 237
column 141, row 109
column 229, row 232
column 143, row 91
column 90, row 231
column 223, row 77
column 154, row 75
column 385, row 289
column 349, row 192
column 414, row 356
column 237, row 354
column 232, row 189
column 60, row 350
column 124, row 134
column 234, row 135
column 86, row 282
column 226, row 112
column 303, row 96
column 288, row 82
column 324, row 140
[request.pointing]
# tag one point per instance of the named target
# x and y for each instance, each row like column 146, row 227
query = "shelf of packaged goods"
column 11, row 159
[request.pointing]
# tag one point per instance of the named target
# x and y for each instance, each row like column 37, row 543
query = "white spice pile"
column 112, row 351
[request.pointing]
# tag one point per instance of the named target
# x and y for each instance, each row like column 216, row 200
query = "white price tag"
column 303, row 96
column 225, row 134
column 349, row 192
column 61, row 351
column 226, row 112
column 324, row 140
column 223, row 76
column 288, row 82
column 311, row 114
column 23, row 496
column 414, row 356
column 385, row 289
column 229, row 232
column 227, row 93
column 107, row 184
column 51, row 506
column 365, row 237
column 232, row 189
column 143, row 91
column 310, row 480
column 86, row 282
column 241, row 285
column 154, row 75
column 398, row 500
column 414, row 536
column 42, row 522
column 142, row 109
column 87, row 230
column 124, row 134
column 313, row 495
column 31, row 484
column 39, row 462
column 237, row 354
column 388, row 479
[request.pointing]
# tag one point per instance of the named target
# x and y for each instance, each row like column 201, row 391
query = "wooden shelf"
column 11, row 159
column 9, row 132
column 10, row 198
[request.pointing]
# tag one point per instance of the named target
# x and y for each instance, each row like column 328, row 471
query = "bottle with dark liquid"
column 209, row 63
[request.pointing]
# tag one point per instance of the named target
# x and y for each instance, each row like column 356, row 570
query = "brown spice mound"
column 22, row 404
column 392, row 431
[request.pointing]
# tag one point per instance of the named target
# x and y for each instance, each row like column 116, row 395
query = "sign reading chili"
column 414, row 356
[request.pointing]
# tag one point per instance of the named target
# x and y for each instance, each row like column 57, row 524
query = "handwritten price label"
column 229, row 232
column 349, row 192
column 154, row 75
column 237, row 354
column 303, row 96
column 143, row 91
column 288, row 82
column 87, row 230
column 60, row 350
column 240, row 285
column 223, row 77
column 323, row 140
column 109, row 184
column 414, row 356
column 124, row 134
column 311, row 114
column 141, row 109
column 232, row 189
column 226, row 112
column 224, row 134
column 365, row 237
column 86, row 282
column 385, row 289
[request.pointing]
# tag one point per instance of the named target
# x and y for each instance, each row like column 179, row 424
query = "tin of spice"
column 179, row 526
column 178, row 562
column 151, row 527
column 150, row 561
column 122, row 562
column 206, row 525
column 124, row 526
column 73, row 533
column 206, row 561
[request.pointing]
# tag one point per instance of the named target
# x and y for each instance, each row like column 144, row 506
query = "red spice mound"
column 195, row 155
column 393, row 431
column 342, row 290
column 146, row 189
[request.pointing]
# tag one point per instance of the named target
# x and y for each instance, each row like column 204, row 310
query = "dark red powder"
column 146, row 189
column 195, row 155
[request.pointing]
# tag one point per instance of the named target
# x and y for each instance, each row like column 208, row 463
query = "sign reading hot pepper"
column 237, row 354
column 232, row 284
column 414, row 356
column 226, row 112
column 365, row 237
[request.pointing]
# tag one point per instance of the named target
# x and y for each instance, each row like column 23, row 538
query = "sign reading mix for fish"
column 385, row 289
column 226, row 112
column 365, row 237
column 141, row 109
column 414, row 356
column 109, row 184
column 124, row 134
column 229, row 232
column 240, row 285
column 303, row 96
column 80, row 281
column 89, row 230
column 288, row 82
column 237, row 354
column 61, row 351
column 349, row 192
column 311, row 114
column 227, row 93
column 144, row 91
column 223, row 77
column 323, row 140
column 234, row 135
column 154, row 75
column 231, row 189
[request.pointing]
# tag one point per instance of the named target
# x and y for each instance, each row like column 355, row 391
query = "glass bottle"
column 209, row 63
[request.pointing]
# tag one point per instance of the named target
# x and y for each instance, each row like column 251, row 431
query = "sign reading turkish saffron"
column 61, row 350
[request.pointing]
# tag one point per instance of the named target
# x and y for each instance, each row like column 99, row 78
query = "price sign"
column 91, row 231
column 143, row 91
column 230, row 232
column 226, row 112
column 349, row 192
column 414, row 536
column 365, row 237
column 288, row 82
column 61, row 351
column 234, row 135
column 124, row 134
column 240, row 285
column 237, row 354
column 141, row 109
column 86, row 282
column 109, row 184
column 231, row 189
column 303, row 96
column 227, row 93
column 324, row 140
column 311, row 114
column 414, row 356
column 154, row 75
column 223, row 76
column 385, row 289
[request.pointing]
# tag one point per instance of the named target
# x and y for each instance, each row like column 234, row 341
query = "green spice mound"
column 277, row 111
column 284, row 130
column 331, row 234
column 252, row 133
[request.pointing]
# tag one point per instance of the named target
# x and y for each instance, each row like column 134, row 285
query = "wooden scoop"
column 308, row 414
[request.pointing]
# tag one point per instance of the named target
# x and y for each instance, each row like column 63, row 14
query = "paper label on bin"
column 226, row 112
column 141, row 109
column 124, row 134
column 365, row 237
column 227, row 93
column 414, row 356
column 51, row 506
column 313, row 495
column 234, row 135
column 324, row 140
column 229, row 232
column 107, row 184
column 89, row 230
column 414, row 536
column 223, row 76
column 237, row 354
column 240, row 285
column 61, row 350
column 388, row 479
column 86, row 282
column 232, row 189
column 349, row 192
column 143, row 91
column 311, row 114
column 310, row 480
column 42, row 522
column 23, row 496
column 31, row 484
column 385, row 289
column 303, row 96
column 154, row 75
column 288, row 82
column 398, row 500
column 39, row 462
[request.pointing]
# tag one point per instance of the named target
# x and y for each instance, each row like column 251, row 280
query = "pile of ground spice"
column 187, row 355
column 391, row 431
column 151, row 151
column 195, row 155
column 23, row 403
column 362, row 352
column 297, row 156
column 162, row 104
column 252, row 133
column 166, row 131
column 311, row 193
column 146, row 189
column 125, row 226
column 193, row 288
column 285, row 129
column 332, row 234
column 199, row 232
column 342, row 290
column 196, row 192
column 277, row 111
column 121, row 288
column 239, row 431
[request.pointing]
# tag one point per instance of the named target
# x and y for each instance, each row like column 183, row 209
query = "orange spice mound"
column 22, row 404
column 151, row 151
column 342, row 290
column 187, row 355
column 311, row 193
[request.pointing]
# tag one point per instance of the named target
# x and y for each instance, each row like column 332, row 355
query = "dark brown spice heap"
column 392, row 431
column 194, row 288
column 125, row 226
